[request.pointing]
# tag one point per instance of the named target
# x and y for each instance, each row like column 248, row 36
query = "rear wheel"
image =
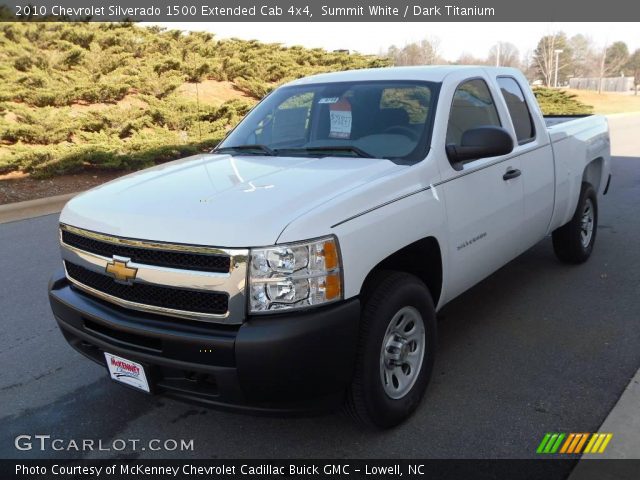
column 573, row 242
column 396, row 351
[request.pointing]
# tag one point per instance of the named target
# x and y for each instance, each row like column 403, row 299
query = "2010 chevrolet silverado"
column 300, row 264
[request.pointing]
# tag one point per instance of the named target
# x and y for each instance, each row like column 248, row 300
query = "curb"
column 13, row 212
column 619, row 115
column 624, row 422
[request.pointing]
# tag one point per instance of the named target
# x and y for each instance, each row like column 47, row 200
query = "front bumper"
column 283, row 363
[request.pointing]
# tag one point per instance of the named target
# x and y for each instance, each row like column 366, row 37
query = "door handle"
column 511, row 173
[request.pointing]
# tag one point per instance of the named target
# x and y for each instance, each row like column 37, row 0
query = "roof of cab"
column 425, row 73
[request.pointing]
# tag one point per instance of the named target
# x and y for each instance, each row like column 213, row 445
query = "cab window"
column 472, row 107
column 518, row 109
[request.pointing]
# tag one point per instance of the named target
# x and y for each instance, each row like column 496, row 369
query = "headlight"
column 295, row 275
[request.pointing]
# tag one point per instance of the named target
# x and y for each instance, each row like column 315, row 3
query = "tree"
column 584, row 59
column 468, row 59
column 633, row 66
column 504, row 54
column 616, row 56
column 425, row 52
column 529, row 66
column 545, row 56
column 612, row 59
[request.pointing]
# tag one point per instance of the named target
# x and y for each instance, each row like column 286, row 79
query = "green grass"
column 608, row 102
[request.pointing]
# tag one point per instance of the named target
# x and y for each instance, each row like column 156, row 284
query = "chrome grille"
column 157, row 256
column 171, row 279
column 152, row 295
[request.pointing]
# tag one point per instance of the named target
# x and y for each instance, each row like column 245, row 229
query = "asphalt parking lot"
column 537, row 347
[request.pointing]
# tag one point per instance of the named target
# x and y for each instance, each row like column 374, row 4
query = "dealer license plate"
column 127, row 372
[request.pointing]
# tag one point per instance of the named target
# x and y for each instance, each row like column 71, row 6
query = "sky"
column 454, row 38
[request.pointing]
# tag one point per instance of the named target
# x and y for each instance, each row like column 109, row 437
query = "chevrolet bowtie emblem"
column 119, row 270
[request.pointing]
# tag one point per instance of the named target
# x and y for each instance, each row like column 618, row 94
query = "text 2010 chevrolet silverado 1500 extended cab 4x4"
column 300, row 264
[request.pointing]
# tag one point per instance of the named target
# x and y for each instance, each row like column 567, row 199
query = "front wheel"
column 573, row 242
column 396, row 350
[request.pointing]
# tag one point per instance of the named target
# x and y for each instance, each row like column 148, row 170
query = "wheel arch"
column 593, row 172
column 429, row 269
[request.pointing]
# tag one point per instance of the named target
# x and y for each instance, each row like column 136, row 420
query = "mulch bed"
column 19, row 187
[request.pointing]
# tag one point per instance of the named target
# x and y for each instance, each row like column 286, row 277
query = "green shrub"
column 10, row 32
column 45, row 126
column 33, row 80
column 23, row 63
column 47, row 98
column 167, row 66
column 101, row 93
column 79, row 37
column 73, row 57
column 559, row 102
column 57, row 72
column 255, row 88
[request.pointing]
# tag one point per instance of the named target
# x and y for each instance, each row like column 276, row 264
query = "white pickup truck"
column 299, row 266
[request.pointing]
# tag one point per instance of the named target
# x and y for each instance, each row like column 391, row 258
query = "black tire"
column 568, row 240
column 367, row 401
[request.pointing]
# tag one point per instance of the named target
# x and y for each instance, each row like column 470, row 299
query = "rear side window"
column 472, row 107
column 518, row 109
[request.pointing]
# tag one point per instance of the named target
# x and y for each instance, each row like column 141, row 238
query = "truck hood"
column 219, row 200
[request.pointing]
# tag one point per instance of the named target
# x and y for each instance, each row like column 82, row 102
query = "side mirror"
column 480, row 142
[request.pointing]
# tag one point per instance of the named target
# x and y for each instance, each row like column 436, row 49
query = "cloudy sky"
column 455, row 38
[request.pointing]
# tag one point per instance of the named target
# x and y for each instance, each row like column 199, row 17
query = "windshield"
column 364, row 119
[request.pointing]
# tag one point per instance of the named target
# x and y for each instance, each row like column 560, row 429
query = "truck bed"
column 552, row 120
column 577, row 141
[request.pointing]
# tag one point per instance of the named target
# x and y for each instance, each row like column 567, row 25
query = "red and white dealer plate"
column 127, row 372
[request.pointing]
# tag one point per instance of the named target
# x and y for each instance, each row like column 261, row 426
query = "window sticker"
column 329, row 100
column 340, row 119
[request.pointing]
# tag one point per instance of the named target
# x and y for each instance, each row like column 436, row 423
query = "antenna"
column 198, row 112
column 197, row 78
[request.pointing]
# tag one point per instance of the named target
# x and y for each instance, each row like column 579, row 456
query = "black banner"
column 547, row 469
column 321, row 11
column 321, row 469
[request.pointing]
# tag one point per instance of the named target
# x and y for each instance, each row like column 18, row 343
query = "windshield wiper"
column 329, row 148
column 249, row 149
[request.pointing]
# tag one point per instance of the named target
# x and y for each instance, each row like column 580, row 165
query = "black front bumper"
column 286, row 363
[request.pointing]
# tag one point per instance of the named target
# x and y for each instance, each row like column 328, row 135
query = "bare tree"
column 468, row 59
column 504, row 54
column 612, row 59
column 425, row 52
column 550, row 48
column 529, row 66
column 584, row 56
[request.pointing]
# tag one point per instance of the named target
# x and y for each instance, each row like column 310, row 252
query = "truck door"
column 536, row 158
column 484, row 199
